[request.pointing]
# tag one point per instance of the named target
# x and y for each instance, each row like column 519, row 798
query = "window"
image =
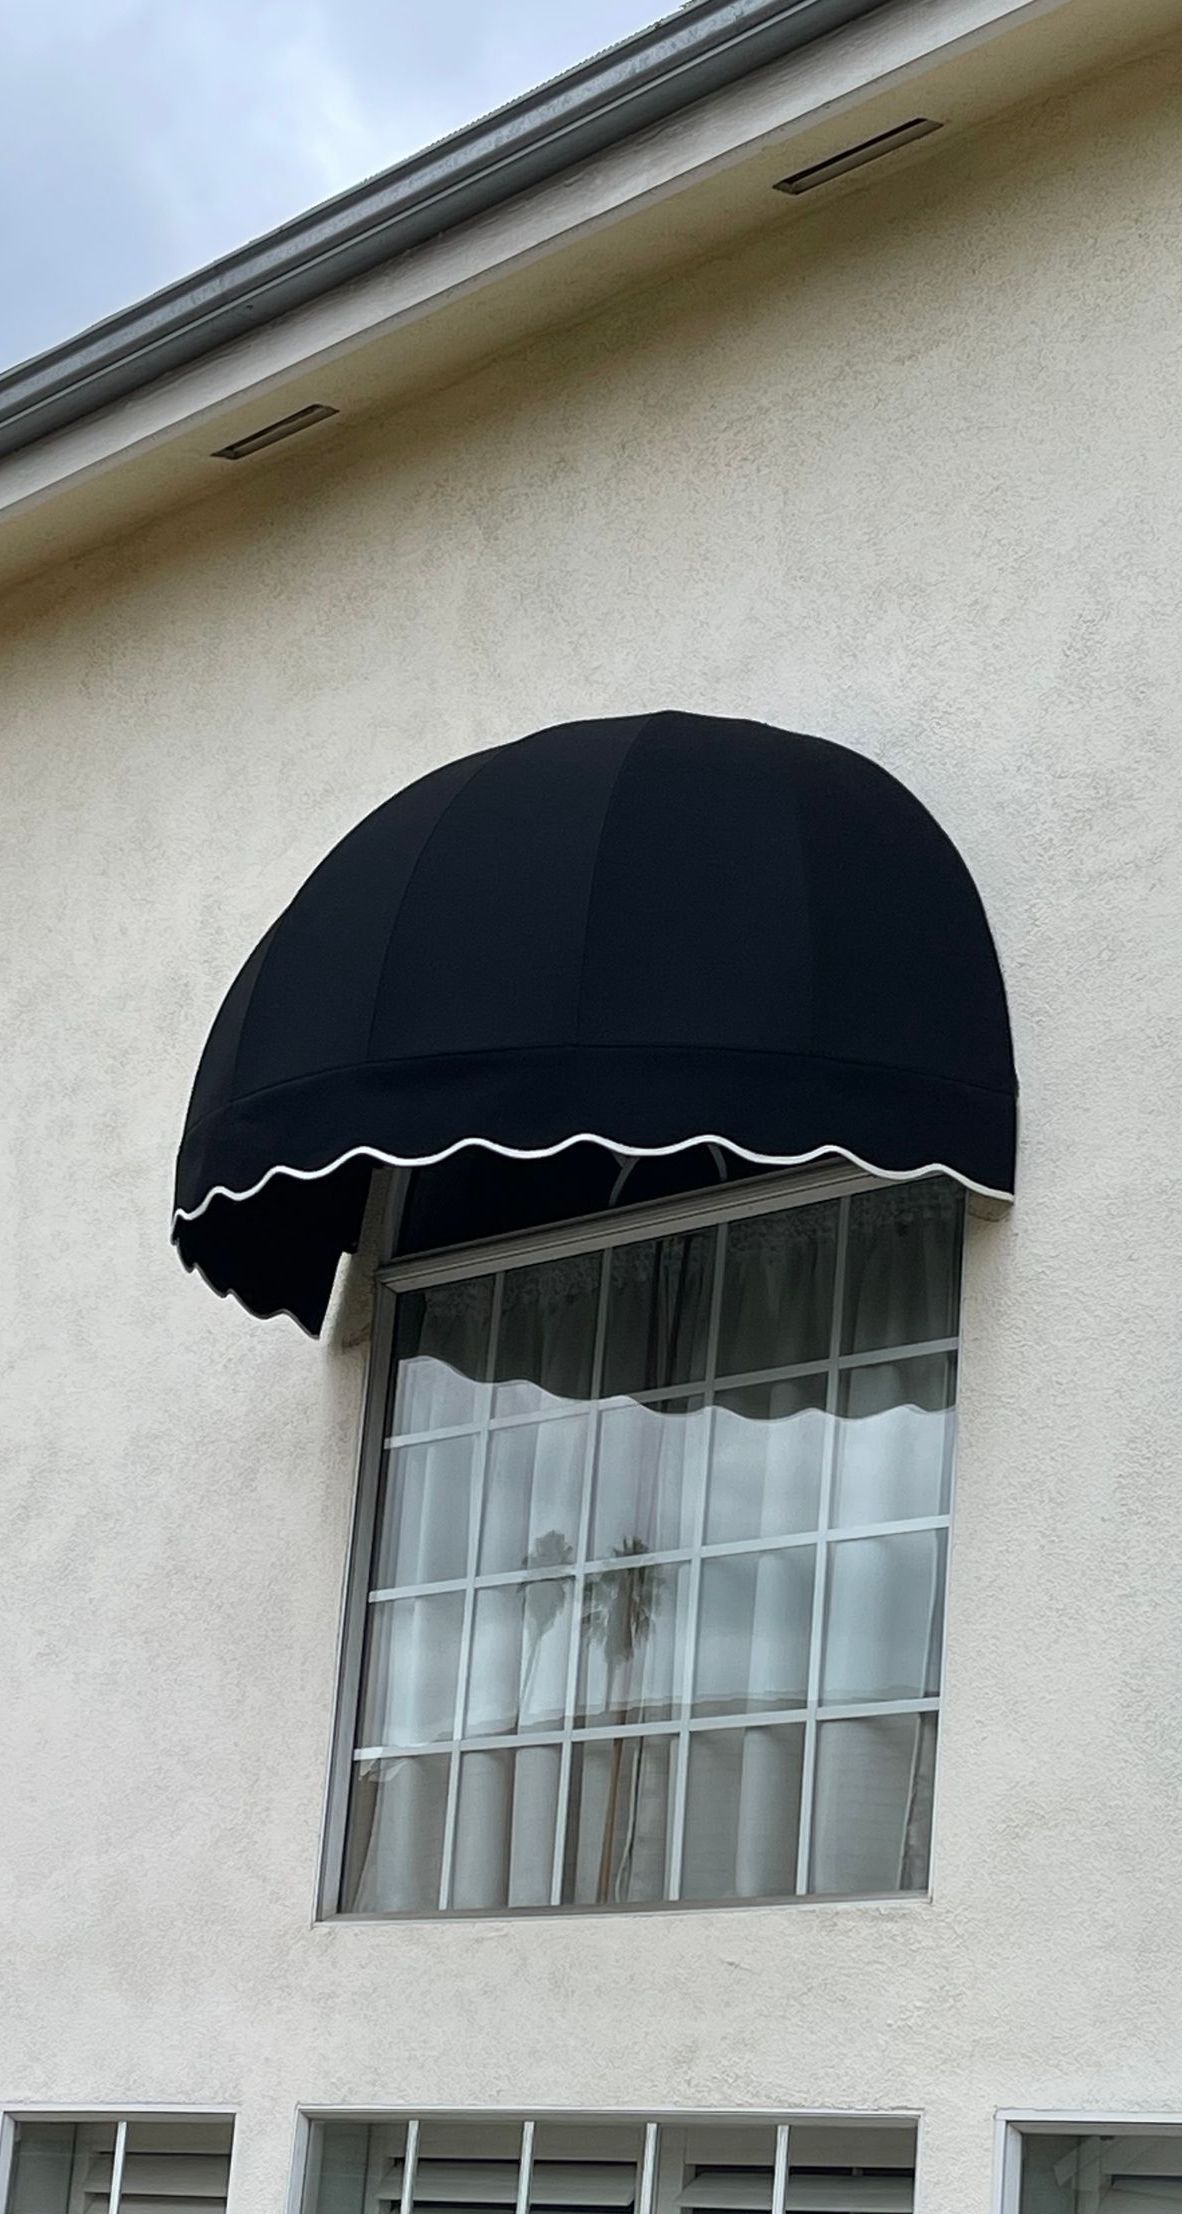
column 651, row 1560
column 853, row 2166
column 1119, row 2169
column 97, row 2167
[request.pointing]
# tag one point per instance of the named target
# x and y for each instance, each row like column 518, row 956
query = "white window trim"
column 589, row 1233
column 1015, row 2123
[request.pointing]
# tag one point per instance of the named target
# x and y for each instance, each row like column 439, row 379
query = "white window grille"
column 648, row 1599
column 140, row 2164
column 851, row 2166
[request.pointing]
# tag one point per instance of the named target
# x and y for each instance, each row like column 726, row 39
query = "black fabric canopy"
column 643, row 931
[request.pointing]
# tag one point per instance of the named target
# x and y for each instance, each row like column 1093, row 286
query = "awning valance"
column 645, row 932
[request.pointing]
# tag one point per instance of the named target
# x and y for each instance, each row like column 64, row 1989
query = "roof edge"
column 641, row 81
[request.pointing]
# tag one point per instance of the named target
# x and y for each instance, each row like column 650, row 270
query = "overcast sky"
column 140, row 138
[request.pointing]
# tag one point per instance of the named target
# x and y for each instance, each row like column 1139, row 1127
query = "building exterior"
column 309, row 1900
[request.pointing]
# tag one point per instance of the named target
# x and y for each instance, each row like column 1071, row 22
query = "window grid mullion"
column 681, row 1773
column 118, row 2159
column 820, row 1571
column 601, row 1733
column 475, row 1519
column 679, row 1556
column 580, row 1584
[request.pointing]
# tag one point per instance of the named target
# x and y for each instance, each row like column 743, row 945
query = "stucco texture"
column 907, row 474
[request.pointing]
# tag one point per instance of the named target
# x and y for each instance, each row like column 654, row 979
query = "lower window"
column 64, row 2166
column 1125, row 2170
column 852, row 2166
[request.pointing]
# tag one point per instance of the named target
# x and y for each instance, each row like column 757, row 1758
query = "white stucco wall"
column 908, row 475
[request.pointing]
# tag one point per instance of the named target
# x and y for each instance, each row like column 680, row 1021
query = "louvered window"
column 133, row 2166
column 852, row 2167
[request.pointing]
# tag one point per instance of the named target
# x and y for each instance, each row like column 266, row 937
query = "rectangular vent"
column 856, row 157
column 286, row 426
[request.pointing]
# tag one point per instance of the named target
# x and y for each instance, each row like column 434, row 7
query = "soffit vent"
column 857, row 157
column 285, row 426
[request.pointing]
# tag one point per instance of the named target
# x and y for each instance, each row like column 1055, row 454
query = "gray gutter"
column 641, row 81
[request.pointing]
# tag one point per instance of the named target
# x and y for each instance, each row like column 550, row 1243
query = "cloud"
column 141, row 138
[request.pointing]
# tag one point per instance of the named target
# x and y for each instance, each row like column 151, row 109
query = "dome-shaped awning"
column 646, row 932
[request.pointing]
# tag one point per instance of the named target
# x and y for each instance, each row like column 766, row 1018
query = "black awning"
column 644, row 932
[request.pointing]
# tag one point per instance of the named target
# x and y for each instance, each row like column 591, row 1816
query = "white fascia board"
column 771, row 107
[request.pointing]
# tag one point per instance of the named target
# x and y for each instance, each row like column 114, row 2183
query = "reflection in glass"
column 394, row 1845
column 894, row 1448
column 766, row 1455
column 546, row 1338
column 872, row 1810
column 518, row 1668
column 618, row 1821
column 646, row 1466
column 777, row 1292
column 411, row 1668
column 440, row 1354
column 425, row 1513
column 630, row 1664
column 505, row 1823
column 533, row 1492
column 754, row 1627
column 902, row 1274
column 742, row 1813
column 658, row 1312
column 884, row 1620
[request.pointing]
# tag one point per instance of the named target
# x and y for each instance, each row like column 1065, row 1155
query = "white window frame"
column 622, row 1226
column 1016, row 2123
column 125, row 2112
column 301, row 2199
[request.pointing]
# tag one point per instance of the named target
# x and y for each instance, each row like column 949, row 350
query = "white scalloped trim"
column 591, row 1137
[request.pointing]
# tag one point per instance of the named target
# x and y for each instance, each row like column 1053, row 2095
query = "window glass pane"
column 342, row 2158
column 506, row 1820
column 520, row 1642
column 43, row 2165
column 894, row 1447
column 425, row 1514
column 777, row 1294
column 411, row 1667
column 766, row 1456
column 633, row 1629
column 546, row 1340
column 533, row 1492
column 394, row 1846
column 658, row 1313
column 744, row 2152
column 647, row 1491
column 742, row 1813
column 618, row 1821
column 872, row 1813
column 67, row 2167
column 440, row 1354
column 174, row 2165
column 613, row 2150
column 884, row 1619
column 1125, row 2173
column 754, row 1628
column 902, row 1274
